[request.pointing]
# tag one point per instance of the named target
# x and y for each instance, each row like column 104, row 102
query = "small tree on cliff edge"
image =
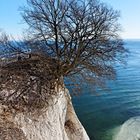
column 66, row 38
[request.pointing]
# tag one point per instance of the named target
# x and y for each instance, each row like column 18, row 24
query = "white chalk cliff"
column 57, row 122
column 130, row 130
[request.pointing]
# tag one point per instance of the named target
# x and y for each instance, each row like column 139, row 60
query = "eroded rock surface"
column 130, row 130
column 58, row 121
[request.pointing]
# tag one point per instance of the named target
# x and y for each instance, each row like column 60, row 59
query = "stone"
column 58, row 121
column 130, row 130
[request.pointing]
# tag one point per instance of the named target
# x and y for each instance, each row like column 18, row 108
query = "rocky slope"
column 57, row 121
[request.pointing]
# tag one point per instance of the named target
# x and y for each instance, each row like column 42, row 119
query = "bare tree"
column 84, row 33
column 66, row 38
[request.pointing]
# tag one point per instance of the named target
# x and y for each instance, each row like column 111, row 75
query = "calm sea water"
column 101, row 114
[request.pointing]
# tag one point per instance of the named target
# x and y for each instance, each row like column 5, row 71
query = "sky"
column 10, row 18
column 11, row 21
column 130, row 17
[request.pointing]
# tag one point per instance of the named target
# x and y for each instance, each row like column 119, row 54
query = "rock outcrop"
column 57, row 121
column 130, row 130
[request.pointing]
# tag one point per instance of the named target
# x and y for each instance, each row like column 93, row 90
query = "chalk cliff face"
column 130, row 130
column 58, row 121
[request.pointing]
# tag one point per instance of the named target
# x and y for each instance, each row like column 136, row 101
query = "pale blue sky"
column 10, row 18
column 11, row 21
column 130, row 16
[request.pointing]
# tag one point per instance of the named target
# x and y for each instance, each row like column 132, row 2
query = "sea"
column 103, row 113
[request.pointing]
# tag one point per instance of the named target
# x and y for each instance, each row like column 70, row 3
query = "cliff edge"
column 57, row 121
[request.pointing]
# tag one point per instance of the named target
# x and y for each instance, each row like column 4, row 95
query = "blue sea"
column 101, row 114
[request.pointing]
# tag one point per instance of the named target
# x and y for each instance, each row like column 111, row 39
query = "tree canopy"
column 65, row 38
